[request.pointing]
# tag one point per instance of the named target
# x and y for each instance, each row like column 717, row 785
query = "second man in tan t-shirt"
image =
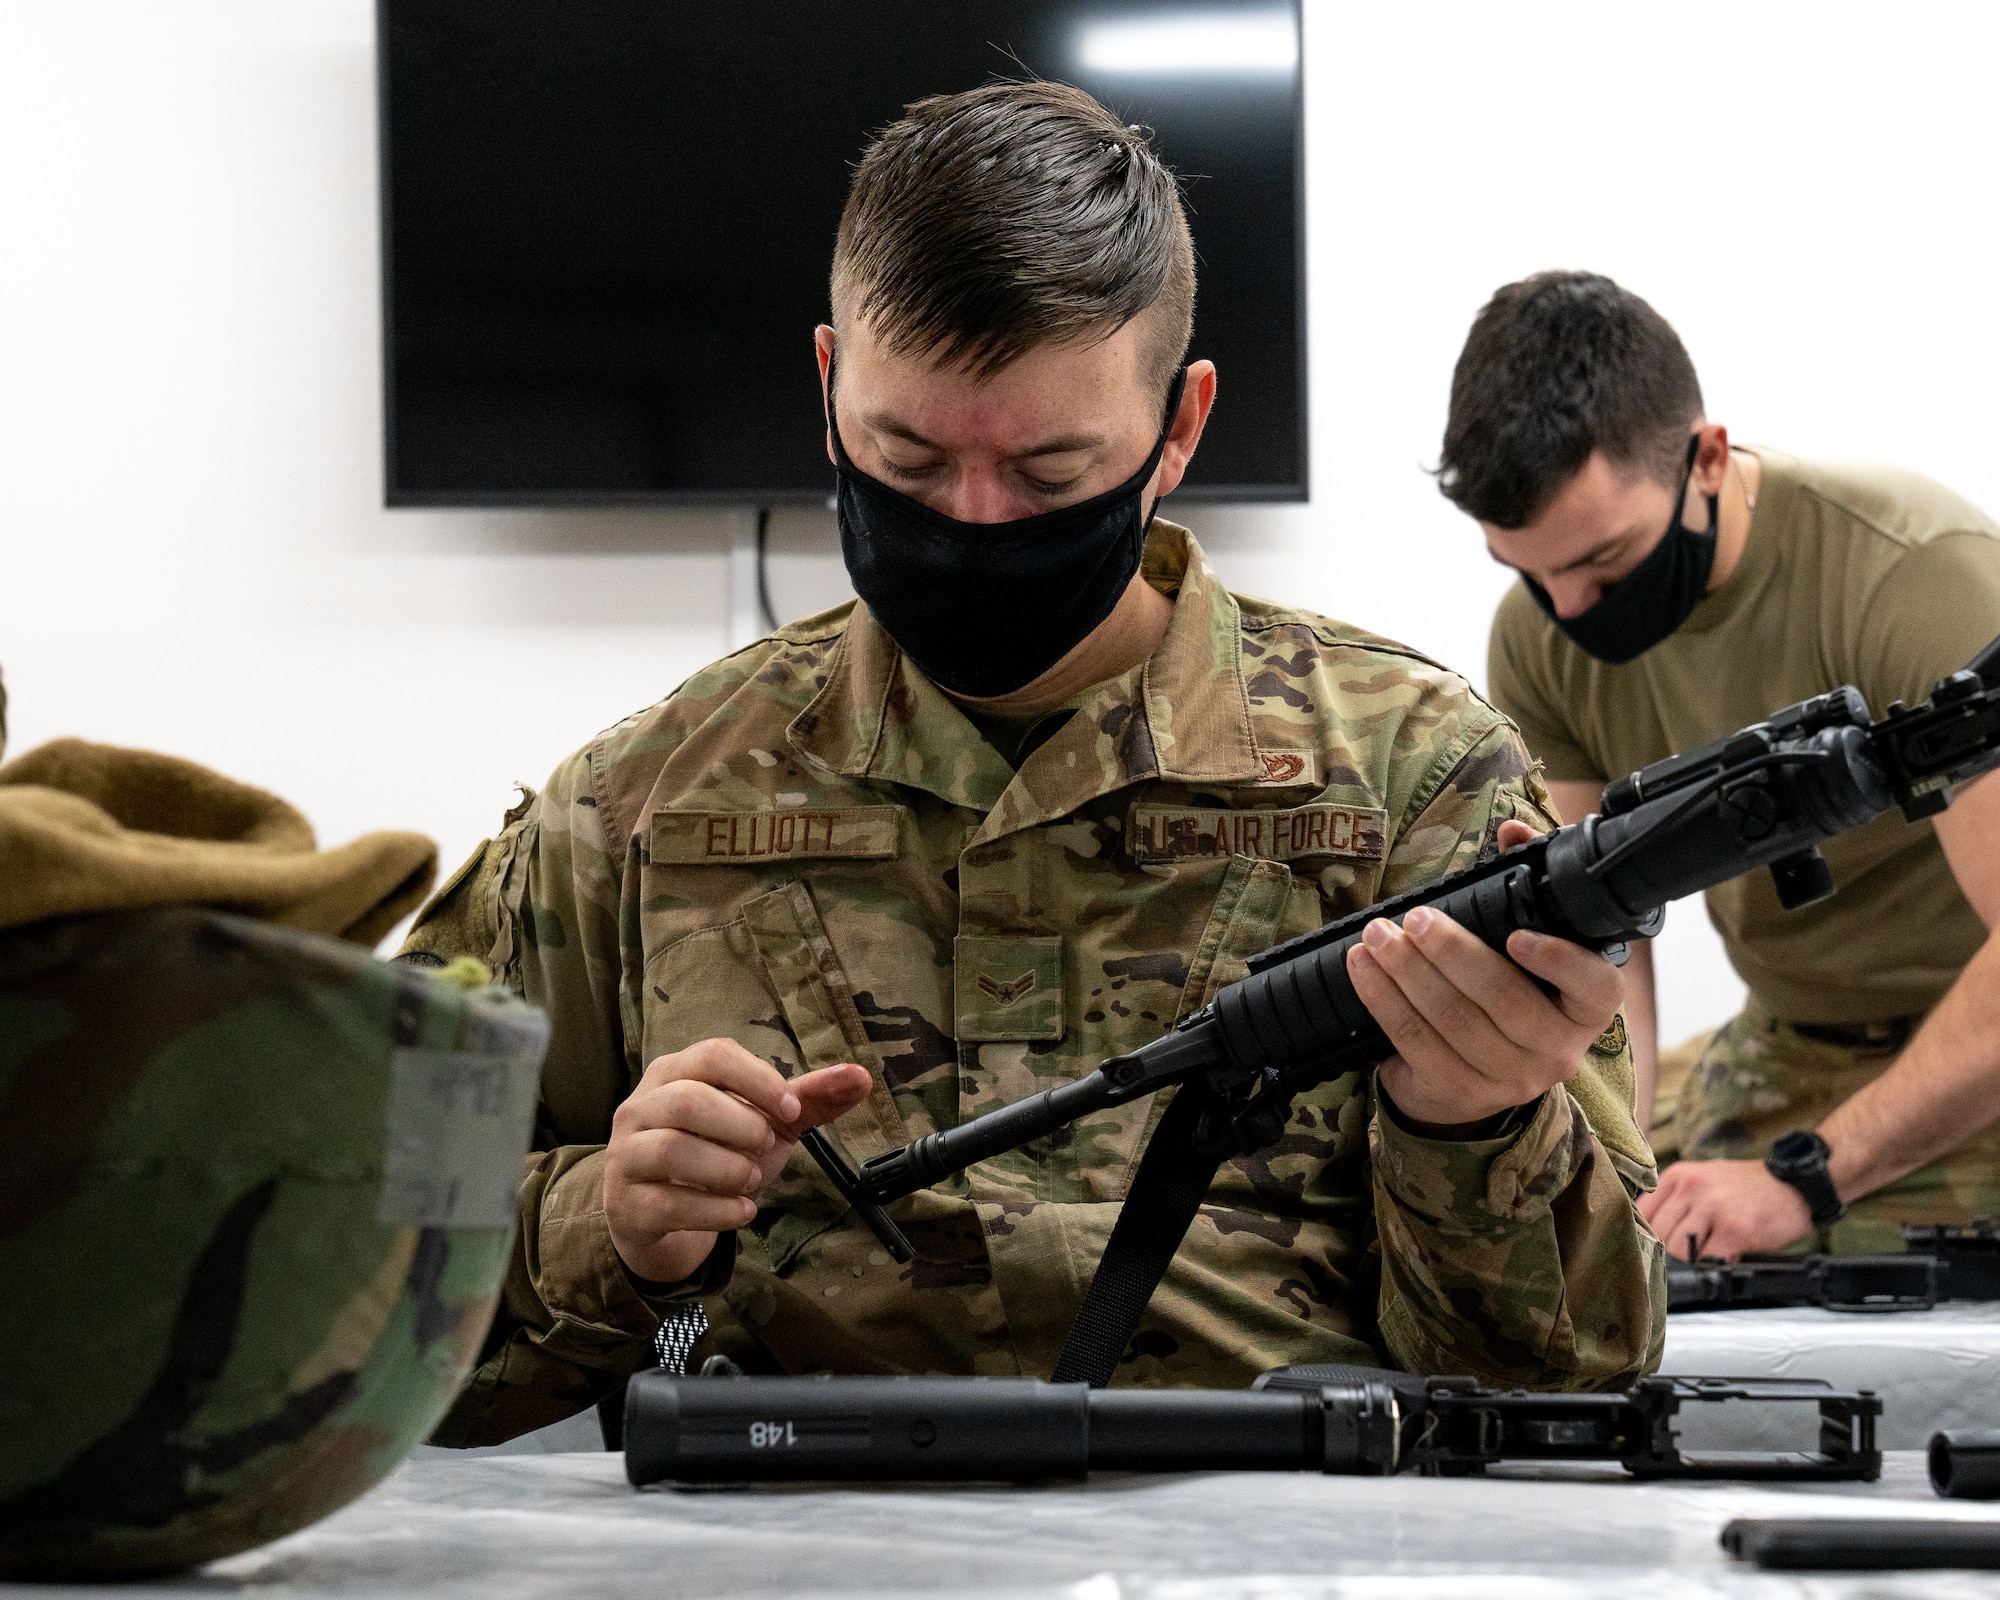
column 1673, row 590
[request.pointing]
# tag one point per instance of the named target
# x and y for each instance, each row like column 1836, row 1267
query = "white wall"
column 193, row 552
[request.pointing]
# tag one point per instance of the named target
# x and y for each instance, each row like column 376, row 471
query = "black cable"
column 763, row 576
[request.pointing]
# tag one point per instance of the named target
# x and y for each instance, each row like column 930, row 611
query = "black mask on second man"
column 1656, row 596
column 985, row 608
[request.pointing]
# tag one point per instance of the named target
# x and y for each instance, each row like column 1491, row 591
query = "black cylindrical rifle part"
column 708, row 1430
column 1965, row 1463
column 924, row 1161
column 1862, row 1544
column 834, row 1164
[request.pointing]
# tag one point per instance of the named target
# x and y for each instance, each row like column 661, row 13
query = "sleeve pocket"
column 770, row 979
column 513, row 914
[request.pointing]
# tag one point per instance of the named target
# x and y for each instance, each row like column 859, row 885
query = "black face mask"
column 985, row 608
column 1655, row 597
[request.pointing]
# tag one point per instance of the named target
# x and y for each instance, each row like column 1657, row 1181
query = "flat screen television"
column 607, row 225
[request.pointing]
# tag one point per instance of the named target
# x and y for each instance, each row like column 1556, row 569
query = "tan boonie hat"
column 91, row 827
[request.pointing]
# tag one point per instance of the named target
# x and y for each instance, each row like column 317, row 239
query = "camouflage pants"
column 1759, row 1078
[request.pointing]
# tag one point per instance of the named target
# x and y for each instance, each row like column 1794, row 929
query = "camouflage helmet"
column 255, row 1210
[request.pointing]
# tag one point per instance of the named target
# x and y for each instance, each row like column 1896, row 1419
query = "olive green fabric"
column 1264, row 770
column 91, row 827
column 254, row 1211
column 1759, row 1078
column 1851, row 574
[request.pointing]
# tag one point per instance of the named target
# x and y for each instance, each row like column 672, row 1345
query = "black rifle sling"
column 1166, row 1193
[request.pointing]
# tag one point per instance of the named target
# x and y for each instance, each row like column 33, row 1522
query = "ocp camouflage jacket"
column 809, row 849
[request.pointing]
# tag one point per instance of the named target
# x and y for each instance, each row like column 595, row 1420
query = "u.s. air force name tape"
column 1169, row 833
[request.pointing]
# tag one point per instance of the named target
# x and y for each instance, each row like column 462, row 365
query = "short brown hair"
column 1556, row 367
column 987, row 223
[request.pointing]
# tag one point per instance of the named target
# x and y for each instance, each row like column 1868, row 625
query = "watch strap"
column 1806, row 1172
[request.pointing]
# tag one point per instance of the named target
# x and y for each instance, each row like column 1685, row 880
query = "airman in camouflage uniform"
column 810, row 850
column 1042, row 790
column 1677, row 586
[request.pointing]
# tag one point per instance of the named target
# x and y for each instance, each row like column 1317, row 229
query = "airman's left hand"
column 1723, row 1209
column 1474, row 1035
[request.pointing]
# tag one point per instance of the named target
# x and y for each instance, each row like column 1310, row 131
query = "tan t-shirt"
column 1852, row 574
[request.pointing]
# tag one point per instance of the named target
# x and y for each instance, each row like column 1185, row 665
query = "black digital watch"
column 1800, row 1160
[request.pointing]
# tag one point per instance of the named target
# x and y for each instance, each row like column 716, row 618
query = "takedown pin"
column 835, row 1166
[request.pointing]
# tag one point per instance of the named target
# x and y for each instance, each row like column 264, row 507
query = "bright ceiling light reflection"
column 1187, row 42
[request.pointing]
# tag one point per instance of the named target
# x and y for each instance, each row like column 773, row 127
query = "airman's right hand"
column 707, row 1128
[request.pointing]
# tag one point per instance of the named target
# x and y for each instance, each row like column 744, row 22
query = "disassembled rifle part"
column 1351, row 1420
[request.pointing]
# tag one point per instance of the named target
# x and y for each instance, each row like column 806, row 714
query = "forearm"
column 540, row 904
column 1517, row 1260
column 1944, row 1087
column 572, row 1322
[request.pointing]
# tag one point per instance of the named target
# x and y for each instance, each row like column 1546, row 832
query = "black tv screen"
column 607, row 225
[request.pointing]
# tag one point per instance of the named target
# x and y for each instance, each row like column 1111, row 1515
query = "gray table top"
column 569, row 1526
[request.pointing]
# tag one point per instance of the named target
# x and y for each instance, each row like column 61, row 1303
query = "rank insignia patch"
column 1004, row 995
column 1008, row 986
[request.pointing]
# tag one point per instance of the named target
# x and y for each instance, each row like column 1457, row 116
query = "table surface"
column 569, row 1526
column 1933, row 1369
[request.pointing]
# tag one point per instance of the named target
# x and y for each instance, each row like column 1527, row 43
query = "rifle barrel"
column 922, row 1162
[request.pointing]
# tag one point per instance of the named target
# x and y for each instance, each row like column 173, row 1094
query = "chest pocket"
column 770, row 979
column 1309, row 1173
column 1258, row 904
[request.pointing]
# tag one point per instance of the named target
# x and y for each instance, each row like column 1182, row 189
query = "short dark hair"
column 987, row 223
column 1558, row 366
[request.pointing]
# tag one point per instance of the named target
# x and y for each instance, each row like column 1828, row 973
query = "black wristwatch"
column 1800, row 1160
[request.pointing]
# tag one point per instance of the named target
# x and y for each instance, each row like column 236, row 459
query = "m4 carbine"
column 1938, row 1263
column 1297, row 1419
column 1767, row 796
